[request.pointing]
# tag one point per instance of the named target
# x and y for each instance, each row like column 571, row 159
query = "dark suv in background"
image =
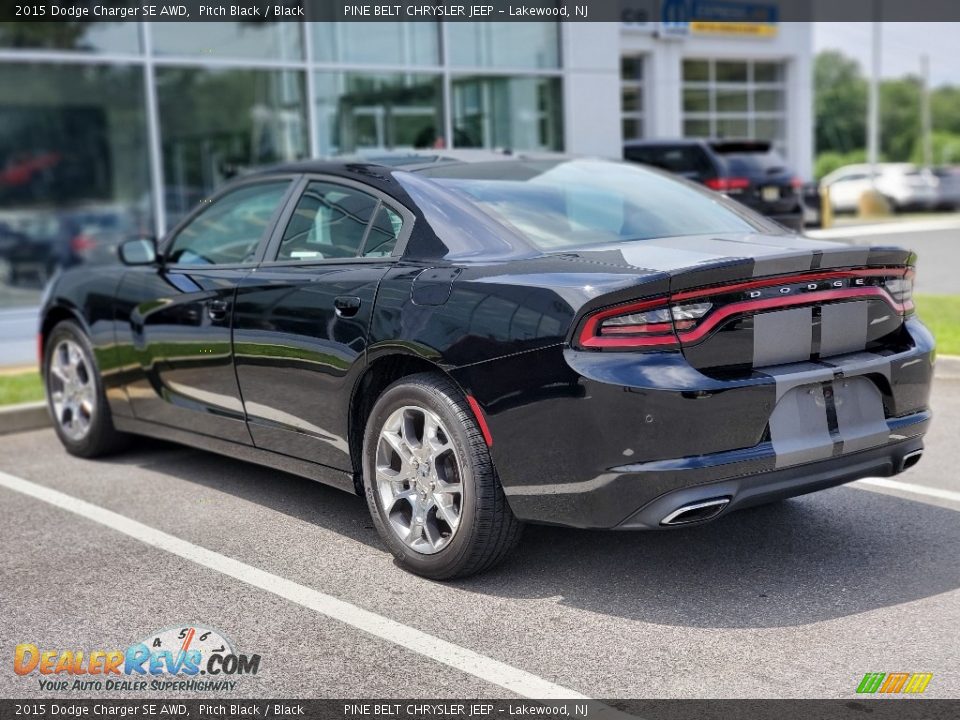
column 748, row 171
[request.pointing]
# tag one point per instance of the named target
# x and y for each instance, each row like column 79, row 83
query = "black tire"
column 487, row 529
column 101, row 438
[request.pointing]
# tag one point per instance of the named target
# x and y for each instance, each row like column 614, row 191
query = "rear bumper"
column 761, row 486
column 639, row 497
column 608, row 440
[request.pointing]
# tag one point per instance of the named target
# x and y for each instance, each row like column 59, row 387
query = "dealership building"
column 150, row 117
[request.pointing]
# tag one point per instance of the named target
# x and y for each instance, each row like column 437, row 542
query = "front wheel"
column 75, row 396
column 430, row 483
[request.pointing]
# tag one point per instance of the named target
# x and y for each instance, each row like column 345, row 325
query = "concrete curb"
column 34, row 416
column 23, row 417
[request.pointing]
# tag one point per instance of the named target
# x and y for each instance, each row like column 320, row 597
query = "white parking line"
column 493, row 671
column 909, row 487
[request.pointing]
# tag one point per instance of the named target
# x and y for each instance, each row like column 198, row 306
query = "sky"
column 902, row 46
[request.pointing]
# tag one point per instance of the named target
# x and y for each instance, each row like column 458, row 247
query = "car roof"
column 721, row 145
column 660, row 142
column 410, row 161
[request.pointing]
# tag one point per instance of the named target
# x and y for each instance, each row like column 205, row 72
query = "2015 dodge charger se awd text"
column 472, row 345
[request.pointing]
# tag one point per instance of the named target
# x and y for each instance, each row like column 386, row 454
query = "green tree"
column 900, row 129
column 827, row 162
column 840, row 103
column 945, row 109
column 945, row 146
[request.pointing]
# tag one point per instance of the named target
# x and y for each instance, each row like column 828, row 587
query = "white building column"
column 665, row 90
column 591, row 89
column 800, row 119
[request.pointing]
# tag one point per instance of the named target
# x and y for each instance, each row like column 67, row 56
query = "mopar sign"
column 679, row 18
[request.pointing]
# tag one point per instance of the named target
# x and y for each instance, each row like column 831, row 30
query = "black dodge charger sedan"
column 472, row 345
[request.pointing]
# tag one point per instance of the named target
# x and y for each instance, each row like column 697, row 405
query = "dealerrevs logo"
column 189, row 657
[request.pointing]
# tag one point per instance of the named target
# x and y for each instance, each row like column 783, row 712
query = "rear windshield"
column 748, row 161
column 577, row 203
column 680, row 159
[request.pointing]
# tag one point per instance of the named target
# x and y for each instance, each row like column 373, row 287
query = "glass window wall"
column 504, row 45
column 357, row 112
column 228, row 40
column 77, row 143
column 378, row 43
column 218, row 123
column 735, row 99
column 74, row 175
column 518, row 113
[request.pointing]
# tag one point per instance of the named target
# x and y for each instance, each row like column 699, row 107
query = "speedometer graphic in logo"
column 179, row 641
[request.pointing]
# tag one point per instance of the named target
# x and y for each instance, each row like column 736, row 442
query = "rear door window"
column 384, row 233
column 330, row 221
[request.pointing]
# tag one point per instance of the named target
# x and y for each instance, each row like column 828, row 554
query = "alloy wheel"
column 72, row 389
column 419, row 479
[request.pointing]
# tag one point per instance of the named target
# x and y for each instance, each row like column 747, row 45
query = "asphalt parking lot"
column 798, row 599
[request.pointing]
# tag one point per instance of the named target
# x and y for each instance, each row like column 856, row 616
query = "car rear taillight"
column 82, row 243
column 689, row 316
column 796, row 183
column 650, row 323
column 733, row 184
column 901, row 290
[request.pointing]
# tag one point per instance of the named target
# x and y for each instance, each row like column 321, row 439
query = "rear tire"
column 430, row 484
column 75, row 396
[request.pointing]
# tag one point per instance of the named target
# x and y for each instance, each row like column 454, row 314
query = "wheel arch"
column 377, row 377
column 55, row 315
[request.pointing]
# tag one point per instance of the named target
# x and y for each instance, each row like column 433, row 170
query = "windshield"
column 578, row 203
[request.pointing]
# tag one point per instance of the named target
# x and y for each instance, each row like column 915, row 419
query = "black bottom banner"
column 853, row 709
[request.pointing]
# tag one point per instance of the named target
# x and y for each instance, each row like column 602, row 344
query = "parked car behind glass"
column 948, row 188
column 905, row 186
column 52, row 240
column 748, row 171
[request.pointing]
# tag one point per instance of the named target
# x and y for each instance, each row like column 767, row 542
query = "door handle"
column 217, row 309
column 347, row 305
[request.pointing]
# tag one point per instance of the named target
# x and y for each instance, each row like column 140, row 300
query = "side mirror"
column 138, row 251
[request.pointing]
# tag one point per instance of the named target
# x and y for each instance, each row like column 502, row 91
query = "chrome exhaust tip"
column 695, row 512
column 910, row 459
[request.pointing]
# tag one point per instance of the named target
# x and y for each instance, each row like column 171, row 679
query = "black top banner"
column 671, row 14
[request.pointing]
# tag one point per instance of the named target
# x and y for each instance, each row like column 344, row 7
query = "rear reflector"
column 481, row 420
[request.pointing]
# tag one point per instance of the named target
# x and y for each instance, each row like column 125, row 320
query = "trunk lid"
column 775, row 299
